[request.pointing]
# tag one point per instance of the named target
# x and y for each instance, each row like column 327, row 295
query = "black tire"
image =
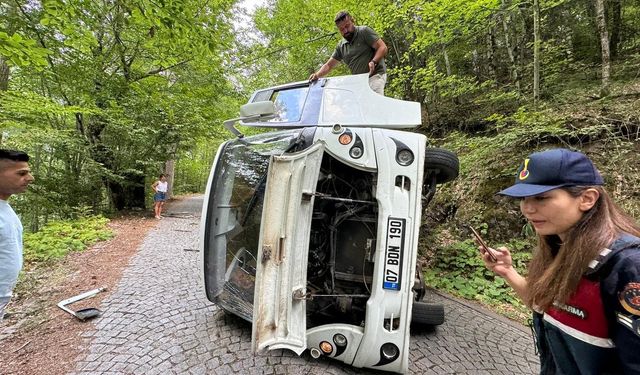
column 443, row 163
column 430, row 314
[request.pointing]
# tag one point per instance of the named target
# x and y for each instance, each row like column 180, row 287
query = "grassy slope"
column 607, row 129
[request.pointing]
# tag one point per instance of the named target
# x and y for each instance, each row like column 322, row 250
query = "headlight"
column 356, row 152
column 404, row 157
column 389, row 351
column 340, row 339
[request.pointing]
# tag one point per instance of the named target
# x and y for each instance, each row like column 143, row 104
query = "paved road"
column 158, row 321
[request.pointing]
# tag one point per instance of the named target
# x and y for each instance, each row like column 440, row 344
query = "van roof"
column 344, row 100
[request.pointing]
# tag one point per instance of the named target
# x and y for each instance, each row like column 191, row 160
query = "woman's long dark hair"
column 557, row 267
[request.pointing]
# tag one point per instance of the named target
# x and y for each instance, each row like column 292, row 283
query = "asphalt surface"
column 158, row 321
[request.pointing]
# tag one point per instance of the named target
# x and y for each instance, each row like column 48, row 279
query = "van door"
column 279, row 313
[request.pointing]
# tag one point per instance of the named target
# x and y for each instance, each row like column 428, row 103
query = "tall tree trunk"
column 395, row 49
column 536, row 51
column 445, row 55
column 506, row 19
column 170, row 170
column 568, row 36
column 491, row 56
column 447, row 64
column 604, row 46
column 475, row 63
column 4, row 75
column 616, row 23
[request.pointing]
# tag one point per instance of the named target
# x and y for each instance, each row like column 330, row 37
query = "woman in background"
column 160, row 194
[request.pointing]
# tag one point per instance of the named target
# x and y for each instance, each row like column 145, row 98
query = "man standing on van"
column 361, row 49
column 15, row 176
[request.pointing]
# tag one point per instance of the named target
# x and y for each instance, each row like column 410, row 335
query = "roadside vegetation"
column 46, row 248
column 58, row 238
column 106, row 95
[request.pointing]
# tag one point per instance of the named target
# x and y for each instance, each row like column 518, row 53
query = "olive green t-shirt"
column 357, row 53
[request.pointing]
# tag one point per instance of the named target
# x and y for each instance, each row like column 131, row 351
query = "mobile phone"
column 483, row 244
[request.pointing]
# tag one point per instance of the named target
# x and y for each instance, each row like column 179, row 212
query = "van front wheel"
column 443, row 163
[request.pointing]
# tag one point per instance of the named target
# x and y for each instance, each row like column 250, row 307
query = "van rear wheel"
column 427, row 314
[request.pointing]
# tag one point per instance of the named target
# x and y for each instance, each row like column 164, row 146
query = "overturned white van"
column 310, row 232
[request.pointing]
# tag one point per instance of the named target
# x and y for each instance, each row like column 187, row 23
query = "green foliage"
column 192, row 168
column 460, row 270
column 66, row 176
column 58, row 238
column 21, row 51
column 127, row 87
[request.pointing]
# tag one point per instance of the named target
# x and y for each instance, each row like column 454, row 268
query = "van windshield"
column 233, row 218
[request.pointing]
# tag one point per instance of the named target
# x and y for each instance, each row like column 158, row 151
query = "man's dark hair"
column 341, row 16
column 162, row 175
column 13, row 155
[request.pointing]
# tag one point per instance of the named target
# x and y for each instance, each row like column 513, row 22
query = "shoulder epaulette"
column 624, row 242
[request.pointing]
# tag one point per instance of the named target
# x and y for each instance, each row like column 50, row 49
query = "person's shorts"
column 159, row 196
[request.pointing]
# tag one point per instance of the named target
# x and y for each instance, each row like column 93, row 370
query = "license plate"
column 393, row 254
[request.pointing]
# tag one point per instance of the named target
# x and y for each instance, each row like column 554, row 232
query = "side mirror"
column 258, row 109
column 252, row 112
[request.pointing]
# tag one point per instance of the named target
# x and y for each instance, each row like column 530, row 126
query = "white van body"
column 310, row 232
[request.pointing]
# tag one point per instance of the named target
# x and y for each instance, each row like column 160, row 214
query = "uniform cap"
column 551, row 169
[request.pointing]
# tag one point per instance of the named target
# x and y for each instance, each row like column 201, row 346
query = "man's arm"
column 155, row 186
column 324, row 69
column 381, row 52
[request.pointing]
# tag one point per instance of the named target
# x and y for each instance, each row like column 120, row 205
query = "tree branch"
column 158, row 70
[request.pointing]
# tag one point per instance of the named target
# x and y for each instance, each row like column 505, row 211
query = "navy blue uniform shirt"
column 597, row 331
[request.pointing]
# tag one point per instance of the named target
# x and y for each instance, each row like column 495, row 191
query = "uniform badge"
column 630, row 298
column 524, row 173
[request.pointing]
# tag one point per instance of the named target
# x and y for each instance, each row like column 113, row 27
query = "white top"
column 10, row 248
column 162, row 186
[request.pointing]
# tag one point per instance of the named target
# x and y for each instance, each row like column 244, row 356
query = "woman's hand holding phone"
column 497, row 260
column 484, row 248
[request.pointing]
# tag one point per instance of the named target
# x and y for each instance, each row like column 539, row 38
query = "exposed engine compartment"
column 342, row 245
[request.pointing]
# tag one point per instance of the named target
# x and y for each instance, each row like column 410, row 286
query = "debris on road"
column 82, row 314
